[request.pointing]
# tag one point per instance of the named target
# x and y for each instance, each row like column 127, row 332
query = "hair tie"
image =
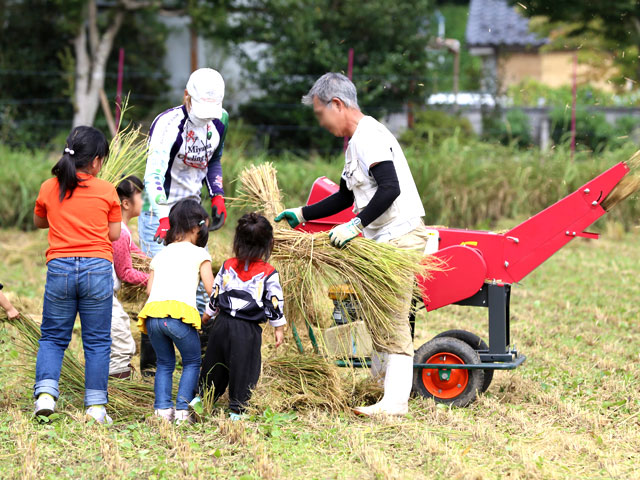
column 69, row 151
column 201, row 222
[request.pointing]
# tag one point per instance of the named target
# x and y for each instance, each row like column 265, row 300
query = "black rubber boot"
column 147, row 357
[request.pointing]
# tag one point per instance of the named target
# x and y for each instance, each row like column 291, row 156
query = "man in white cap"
column 185, row 149
column 377, row 182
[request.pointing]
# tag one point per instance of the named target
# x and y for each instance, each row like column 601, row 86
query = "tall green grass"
column 21, row 173
column 462, row 184
column 477, row 184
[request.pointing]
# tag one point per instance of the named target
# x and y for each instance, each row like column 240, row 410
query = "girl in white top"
column 170, row 316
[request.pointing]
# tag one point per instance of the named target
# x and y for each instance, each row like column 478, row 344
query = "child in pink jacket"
column 123, row 346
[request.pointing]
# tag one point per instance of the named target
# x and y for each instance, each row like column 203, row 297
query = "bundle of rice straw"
column 378, row 273
column 135, row 295
column 128, row 399
column 127, row 154
column 294, row 381
column 629, row 184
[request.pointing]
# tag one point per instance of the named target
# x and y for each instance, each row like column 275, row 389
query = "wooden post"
column 574, row 92
column 104, row 102
column 193, row 36
column 350, row 75
column 410, row 116
column 456, row 78
column 119, row 89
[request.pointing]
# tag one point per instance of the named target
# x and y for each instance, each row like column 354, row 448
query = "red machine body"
column 478, row 257
column 321, row 189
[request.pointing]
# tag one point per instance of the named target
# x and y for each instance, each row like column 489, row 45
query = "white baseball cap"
column 206, row 89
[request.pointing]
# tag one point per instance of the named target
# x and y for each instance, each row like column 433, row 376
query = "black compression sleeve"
column 335, row 203
column 388, row 190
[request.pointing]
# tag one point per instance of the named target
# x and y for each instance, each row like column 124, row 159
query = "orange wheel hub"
column 452, row 383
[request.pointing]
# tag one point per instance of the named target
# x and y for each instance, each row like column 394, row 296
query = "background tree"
column 38, row 66
column 95, row 31
column 299, row 40
column 32, row 87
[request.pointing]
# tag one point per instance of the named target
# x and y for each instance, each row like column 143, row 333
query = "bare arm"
column 149, row 283
column 206, row 275
column 40, row 222
column 12, row 313
column 279, row 335
column 114, row 231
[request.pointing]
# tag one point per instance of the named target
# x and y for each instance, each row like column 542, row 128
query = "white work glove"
column 292, row 215
column 342, row 234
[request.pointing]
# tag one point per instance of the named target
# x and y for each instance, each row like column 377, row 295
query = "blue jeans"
column 148, row 224
column 76, row 285
column 164, row 333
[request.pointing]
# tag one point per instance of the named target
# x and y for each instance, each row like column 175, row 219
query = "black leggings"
column 232, row 359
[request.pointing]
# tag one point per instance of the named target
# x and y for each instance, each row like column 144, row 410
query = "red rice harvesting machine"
column 482, row 267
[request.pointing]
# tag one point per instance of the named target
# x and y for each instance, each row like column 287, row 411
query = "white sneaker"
column 164, row 413
column 196, row 405
column 99, row 414
column 45, row 405
column 183, row 416
column 397, row 388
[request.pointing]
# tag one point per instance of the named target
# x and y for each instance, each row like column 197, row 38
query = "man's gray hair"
column 333, row 85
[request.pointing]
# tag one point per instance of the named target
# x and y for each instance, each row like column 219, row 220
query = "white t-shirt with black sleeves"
column 373, row 143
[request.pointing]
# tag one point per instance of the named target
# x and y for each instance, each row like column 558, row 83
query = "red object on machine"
column 476, row 257
column 321, row 189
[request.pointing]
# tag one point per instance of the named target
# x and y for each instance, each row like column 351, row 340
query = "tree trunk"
column 92, row 52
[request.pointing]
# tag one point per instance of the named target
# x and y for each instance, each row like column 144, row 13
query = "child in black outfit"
column 246, row 293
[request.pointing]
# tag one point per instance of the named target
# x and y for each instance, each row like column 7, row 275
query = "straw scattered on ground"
column 298, row 382
column 128, row 399
column 571, row 411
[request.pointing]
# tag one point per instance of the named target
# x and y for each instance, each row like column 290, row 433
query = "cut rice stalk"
column 629, row 184
column 127, row 154
column 379, row 274
column 135, row 295
column 293, row 381
column 128, row 399
column 259, row 189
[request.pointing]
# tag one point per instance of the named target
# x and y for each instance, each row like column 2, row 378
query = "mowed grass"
column 571, row 411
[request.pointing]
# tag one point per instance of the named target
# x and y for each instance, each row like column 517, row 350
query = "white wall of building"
column 177, row 63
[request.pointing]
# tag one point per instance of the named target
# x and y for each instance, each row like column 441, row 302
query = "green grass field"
column 571, row 411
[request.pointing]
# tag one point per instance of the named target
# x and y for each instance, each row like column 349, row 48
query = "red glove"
column 218, row 212
column 161, row 233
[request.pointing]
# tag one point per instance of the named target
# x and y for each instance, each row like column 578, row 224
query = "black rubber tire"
column 465, row 353
column 475, row 342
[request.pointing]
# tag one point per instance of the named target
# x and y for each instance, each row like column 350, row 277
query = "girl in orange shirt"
column 83, row 216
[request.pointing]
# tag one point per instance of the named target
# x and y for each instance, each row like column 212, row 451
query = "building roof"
column 495, row 23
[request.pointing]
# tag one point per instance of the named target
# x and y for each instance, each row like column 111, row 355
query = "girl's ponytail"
column 65, row 172
column 184, row 216
column 84, row 144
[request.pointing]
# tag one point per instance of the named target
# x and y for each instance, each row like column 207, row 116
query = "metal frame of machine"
column 482, row 266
